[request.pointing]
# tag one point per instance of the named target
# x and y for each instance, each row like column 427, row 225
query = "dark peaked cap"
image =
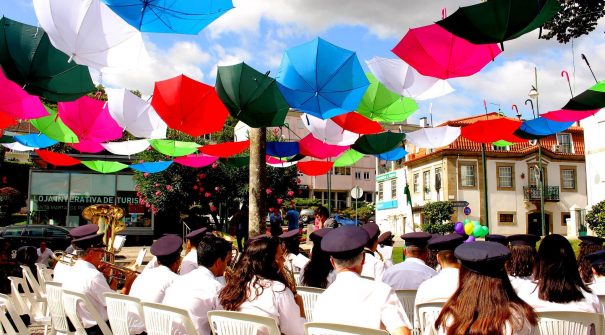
column 197, row 234
column 592, row 239
column 345, row 242
column 523, row 239
column 496, row 238
column 445, row 242
column 90, row 241
column 85, row 230
column 289, row 234
column 319, row 234
column 387, row 235
column 372, row 229
column 483, row 257
column 166, row 245
column 417, row 239
column 597, row 258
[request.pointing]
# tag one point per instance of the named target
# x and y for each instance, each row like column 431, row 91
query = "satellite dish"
column 533, row 142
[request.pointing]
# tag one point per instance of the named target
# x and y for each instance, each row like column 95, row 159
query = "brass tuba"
column 107, row 217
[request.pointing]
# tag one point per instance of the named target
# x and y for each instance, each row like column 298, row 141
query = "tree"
column 11, row 201
column 365, row 210
column 576, row 18
column 595, row 218
column 438, row 217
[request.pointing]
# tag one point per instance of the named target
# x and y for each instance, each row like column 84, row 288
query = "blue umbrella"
column 393, row 155
column 169, row 16
column 35, row 140
column 540, row 127
column 282, row 149
column 321, row 79
column 151, row 167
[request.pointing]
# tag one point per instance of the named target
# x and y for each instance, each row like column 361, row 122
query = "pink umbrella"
column 312, row 147
column 435, row 52
column 196, row 160
column 17, row 103
column 566, row 115
column 91, row 147
column 274, row 162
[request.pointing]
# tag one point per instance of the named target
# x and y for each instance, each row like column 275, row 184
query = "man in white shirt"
column 373, row 267
column 597, row 259
column 409, row 274
column 44, row 254
column 189, row 262
column 385, row 248
column 197, row 292
column 351, row 299
column 63, row 266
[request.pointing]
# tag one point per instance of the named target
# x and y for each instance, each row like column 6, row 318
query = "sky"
column 259, row 31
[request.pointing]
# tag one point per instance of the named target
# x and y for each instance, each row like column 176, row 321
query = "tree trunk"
column 258, row 182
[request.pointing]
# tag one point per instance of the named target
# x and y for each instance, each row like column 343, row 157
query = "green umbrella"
column 237, row 162
column 250, row 96
column 54, row 128
column 348, row 158
column 7, row 139
column 174, row 148
column 105, row 166
column 502, row 143
column 380, row 104
column 29, row 59
column 378, row 143
column 496, row 21
column 592, row 98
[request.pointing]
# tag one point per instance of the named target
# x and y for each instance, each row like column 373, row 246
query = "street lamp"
column 534, row 95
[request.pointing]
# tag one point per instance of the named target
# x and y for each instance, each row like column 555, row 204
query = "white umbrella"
column 241, row 132
column 399, row 77
column 432, row 138
column 328, row 131
column 126, row 148
column 135, row 115
column 16, row 146
column 91, row 33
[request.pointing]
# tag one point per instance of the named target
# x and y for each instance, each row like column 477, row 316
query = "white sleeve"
column 378, row 270
column 99, row 287
column 393, row 315
column 290, row 321
column 51, row 254
column 186, row 267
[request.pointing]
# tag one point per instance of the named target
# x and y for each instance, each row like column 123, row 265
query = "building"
column 455, row 173
column 594, row 128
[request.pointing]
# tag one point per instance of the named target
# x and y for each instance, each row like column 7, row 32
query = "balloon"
column 484, row 231
column 470, row 239
column 477, row 230
column 468, row 228
column 459, row 228
column 467, row 220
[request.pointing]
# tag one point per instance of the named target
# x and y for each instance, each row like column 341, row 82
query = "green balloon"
column 484, row 231
column 477, row 230
column 467, row 221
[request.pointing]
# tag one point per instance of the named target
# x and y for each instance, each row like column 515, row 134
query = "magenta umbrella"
column 312, row 147
column 566, row 115
column 196, row 160
column 17, row 103
column 435, row 52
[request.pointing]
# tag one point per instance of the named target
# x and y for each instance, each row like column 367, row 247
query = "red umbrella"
column 56, row 158
column 314, row 168
column 435, row 52
column 189, row 106
column 312, row 147
column 6, row 121
column 357, row 123
column 489, row 131
column 226, row 149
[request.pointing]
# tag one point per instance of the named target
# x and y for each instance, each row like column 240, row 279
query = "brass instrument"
column 65, row 258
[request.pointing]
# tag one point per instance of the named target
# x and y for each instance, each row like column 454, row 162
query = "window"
column 501, row 148
column 564, row 217
column 568, row 178
column 533, row 175
column 394, row 189
column 54, row 232
column 437, row 179
column 380, row 191
column 467, row 175
column 506, row 218
column 12, row 232
column 505, row 174
column 366, row 176
column 358, row 175
column 34, row 231
column 564, row 141
column 416, row 182
column 342, row 171
column 426, row 184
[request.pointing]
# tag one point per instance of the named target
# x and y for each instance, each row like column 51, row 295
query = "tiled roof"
column 22, row 127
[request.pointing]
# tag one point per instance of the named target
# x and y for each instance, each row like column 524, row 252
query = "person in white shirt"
column 520, row 265
column 352, row 300
column 63, row 267
column 385, row 248
column 409, row 274
column 291, row 243
column 189, row 262
column 588, row 245
column 45, row 254
column 197, row 292
column 373, row 266
column 597, row 259
column 258, row 285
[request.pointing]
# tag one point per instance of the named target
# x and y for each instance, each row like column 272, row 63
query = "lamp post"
column 535, row 95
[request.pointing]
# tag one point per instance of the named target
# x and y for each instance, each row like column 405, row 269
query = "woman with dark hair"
column 258, row 285
column 520, row 265
column 319, row 271
column 485, row 302
column 588, row 245
column 557, row 284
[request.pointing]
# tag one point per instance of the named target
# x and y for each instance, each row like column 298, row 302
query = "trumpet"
column 118, row 277
column 65, row 258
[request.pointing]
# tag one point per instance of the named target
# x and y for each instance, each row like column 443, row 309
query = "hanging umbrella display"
column 236, row 162
column 189, row 106
column 399, row 77
column 174, row 148
column 196, row 160
column 312, row 147
column 541, row 127
column 6, row 121
column 593, row 98
column 282, row 149
column 378, row 143
column 87, row 146
column 241, row 132
column 35, row 140
column 566, row 115
column 226, row 149
column 432, row 138
column 29, row 59
column 151, row 167
column 134, row 114
column 278, row 163
column 321, row 79
column 357, row 123
column 53, row 127
column 126, row 148
column 314, row 168
column 16, row 146
column 492, row 130
column 502, row 143
column 250, row 96
column 348, row 158
column 105, row 166
column 496, row 21
column 393, row 155
column 380, row 104
column 91, row 34
column 435, row 52
column 18, row 104
column 328, row 131
column 177, row 17
column 56, row 159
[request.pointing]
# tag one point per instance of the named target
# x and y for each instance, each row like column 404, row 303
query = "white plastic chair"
column 407, row 298
column 161, row 319
column 238, row 323
column 120, row 310
column 71, row 300
column 309, row 296
column 44, row 275
column 322, row 328
column 6, row 306
column 426, row 315
column 565, row 323
column 28, row 275
column 27, row 303
column 54, row 297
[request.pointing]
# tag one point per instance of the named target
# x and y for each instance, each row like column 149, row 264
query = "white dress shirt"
column 60, row 271
column 355, row 301
column 519, row 282
column 84, row 278
column 189, row 262
column 372, row 266
column 276, row 301
column 438, row 288
column 598, row 286
column 197, row 292
column 43, row 257
column 590, row 303
column 408, row 275
column 153, row 263
column 151, row 285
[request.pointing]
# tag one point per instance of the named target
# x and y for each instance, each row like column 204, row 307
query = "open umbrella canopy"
column 357, row 123
column 399, row 77
column 30, row 60
column 196, row 160
column 566, row 115
column 496, row 21
column 435, row 52
column 87, row 146
column 348, row 158
column 16, row 146
column 488, row 131
column 282, row 149
column 502, row 143
column 312, row 147
column 378, row 143
column 278, row 163
column 241, row 132
column 393, row 155
column 169, row 16
column 189, row 106
column 236, row 162
column 250, row 96
column 541, row 127
column 174, row 148
column 53, row 127
column 18, row 104
column 328, row 131
column 57, row 159
column 321, row 79
column 90, row 120
column 6, row 121
column 35, row 140
column 91, row 34
column 126, row 148
column 151, row 167
column 105, row 166
column 593, row 98
column 314, row 168
column 134, row 114
column 380, row 104
column 432, row 138
column 226, row 149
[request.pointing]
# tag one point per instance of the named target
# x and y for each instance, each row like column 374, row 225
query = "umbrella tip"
column 267, row 73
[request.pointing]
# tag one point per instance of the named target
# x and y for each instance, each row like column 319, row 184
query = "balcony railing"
column 532, row 193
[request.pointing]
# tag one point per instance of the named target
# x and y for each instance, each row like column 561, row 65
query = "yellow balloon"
column 468, row 228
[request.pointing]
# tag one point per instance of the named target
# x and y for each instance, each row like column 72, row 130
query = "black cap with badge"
column 483, row 257
column 417, row 239
column 523, row 239
column 85, row 230
column 90, row 241
column 166, row 245
column 345, row 242
column 445, row 242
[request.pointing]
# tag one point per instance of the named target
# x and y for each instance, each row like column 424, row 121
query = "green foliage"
column 437, row 217
column 438, row 228
column 365, row 211
column 595, row 218
column 576, row 18
column 306, row 202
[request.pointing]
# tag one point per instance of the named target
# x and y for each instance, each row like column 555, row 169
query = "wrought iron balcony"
column 532, row 193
